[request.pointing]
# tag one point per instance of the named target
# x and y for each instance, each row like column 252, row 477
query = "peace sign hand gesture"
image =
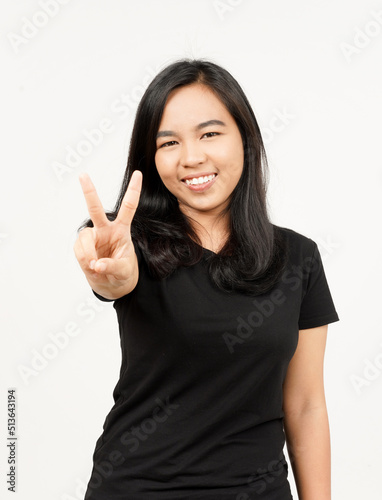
column 106, row 252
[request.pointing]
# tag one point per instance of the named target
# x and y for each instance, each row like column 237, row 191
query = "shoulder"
column 298, row 245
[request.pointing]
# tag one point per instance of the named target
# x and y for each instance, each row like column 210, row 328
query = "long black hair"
column 254, row 255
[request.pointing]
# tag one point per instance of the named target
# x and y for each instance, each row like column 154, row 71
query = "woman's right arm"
column 106, row 252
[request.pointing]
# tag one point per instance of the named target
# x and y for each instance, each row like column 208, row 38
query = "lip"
column 199, row 187
column 199, row 174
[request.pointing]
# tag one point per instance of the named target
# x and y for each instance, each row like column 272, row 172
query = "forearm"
column 308, row 442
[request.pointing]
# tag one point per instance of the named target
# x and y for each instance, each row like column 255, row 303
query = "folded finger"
column 80, row 256
column 87, row 242
column 118, row 268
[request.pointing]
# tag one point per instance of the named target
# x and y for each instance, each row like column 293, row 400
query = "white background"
column 317, row 62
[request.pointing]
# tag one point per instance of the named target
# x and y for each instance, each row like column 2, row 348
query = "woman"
column 222, row 315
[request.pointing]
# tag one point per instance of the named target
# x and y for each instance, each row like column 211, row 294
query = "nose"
column 191, row 154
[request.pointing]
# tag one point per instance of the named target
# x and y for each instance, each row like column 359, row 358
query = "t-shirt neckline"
column 208, row 250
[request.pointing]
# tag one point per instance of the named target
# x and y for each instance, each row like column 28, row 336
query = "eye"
column 166, row 144
column 171, row 143
column 207, row 133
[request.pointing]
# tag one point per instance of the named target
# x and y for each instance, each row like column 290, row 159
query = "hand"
column 106, row 252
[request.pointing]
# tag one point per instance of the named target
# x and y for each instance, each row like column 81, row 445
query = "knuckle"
column 77, row 247
column 86, row 234
column 127, row 204
column 95, row 209
column 81, row 259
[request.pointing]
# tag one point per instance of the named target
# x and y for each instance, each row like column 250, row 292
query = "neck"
column 212, row 231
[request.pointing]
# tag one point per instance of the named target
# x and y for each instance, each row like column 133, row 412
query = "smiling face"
column 199, row 140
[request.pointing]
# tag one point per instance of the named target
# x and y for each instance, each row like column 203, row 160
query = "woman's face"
column 198, row 140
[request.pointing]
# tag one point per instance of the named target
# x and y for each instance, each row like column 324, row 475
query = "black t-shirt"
column 198, row 405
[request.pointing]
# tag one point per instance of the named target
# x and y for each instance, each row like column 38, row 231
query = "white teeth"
column 200, row 180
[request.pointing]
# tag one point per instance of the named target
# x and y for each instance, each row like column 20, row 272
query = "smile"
column 200, row 183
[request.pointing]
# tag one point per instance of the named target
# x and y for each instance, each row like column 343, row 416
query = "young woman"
column 222, row 315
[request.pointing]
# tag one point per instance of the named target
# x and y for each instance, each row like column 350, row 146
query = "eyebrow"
column 167, row 133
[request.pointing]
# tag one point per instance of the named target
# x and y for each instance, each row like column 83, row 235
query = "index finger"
column 131, row 199
column 95, row 208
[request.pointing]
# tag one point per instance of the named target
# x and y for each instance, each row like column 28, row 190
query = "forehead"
column 196, row 100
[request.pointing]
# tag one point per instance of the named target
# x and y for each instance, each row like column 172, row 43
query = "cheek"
column 231, row 161
column 231, row 153
column 161, row 166
column 165, row 170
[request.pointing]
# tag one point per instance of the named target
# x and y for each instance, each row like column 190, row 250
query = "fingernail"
column 92, row 264
column 101, row 266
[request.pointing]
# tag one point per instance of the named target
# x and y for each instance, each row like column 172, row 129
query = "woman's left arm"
column 306, row 421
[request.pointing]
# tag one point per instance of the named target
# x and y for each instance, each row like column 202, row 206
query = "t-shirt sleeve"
column 139, row 258
column 317, row 307
column 102, row 298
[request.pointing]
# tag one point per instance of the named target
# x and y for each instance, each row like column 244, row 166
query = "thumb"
column 116, row 267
